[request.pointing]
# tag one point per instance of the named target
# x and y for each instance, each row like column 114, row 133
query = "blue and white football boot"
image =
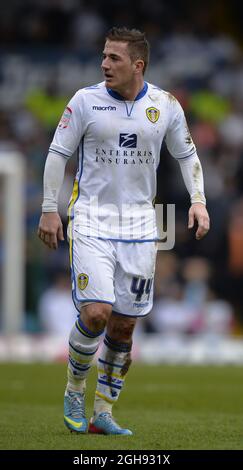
column 74, row 412
column 104, row 423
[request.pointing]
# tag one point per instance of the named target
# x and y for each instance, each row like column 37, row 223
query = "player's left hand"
column 199, row 213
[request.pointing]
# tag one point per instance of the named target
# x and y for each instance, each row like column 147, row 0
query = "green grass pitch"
column 167, row 407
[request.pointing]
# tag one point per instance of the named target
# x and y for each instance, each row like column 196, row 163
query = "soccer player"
column 118, row 127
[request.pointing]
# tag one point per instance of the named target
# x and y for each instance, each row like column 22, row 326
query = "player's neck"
column 129, row 92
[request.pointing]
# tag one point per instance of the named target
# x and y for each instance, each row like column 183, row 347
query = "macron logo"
column 104, row 108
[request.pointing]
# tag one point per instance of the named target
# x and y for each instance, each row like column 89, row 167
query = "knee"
column 95, row 316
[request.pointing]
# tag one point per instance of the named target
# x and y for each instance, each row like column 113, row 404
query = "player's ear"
column 139, row 65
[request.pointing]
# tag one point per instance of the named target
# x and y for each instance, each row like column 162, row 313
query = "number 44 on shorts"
column 140, row 286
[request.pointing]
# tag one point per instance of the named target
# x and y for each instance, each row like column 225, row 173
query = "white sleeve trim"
column 193, row 177
column 53, row 179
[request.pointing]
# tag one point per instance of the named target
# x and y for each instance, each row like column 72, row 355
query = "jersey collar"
column 119, row 97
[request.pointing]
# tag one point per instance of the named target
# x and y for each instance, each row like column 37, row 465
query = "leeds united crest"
column 152, row 114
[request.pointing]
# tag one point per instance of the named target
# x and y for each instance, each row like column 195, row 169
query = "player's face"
column 118, row 69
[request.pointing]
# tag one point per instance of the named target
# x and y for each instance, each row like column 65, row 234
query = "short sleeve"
column 70, row 129
column 178, row 138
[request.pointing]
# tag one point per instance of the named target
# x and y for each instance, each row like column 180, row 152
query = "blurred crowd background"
column 51, row 48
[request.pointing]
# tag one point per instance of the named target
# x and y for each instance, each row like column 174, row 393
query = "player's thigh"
column 134, row 278
column 92, row 265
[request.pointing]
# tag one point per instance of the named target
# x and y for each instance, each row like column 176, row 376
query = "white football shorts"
column 113, row 272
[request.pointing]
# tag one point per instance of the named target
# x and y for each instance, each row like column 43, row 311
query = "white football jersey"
column 119, row 145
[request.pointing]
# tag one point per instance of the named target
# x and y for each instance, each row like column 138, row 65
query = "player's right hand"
column 50, row 229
